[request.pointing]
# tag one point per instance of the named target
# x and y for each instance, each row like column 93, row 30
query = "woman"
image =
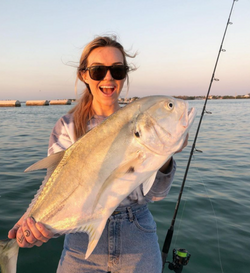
column 129, row 241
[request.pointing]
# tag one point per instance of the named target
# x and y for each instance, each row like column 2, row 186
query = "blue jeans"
column 129, row 243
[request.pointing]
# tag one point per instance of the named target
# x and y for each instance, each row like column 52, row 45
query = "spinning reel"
column 180, row 258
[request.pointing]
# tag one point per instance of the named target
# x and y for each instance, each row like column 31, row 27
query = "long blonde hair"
column 83, row 110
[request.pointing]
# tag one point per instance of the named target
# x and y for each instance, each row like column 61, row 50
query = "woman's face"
column 106, row 91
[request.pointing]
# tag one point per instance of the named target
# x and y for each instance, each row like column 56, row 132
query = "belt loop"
column 130, row 214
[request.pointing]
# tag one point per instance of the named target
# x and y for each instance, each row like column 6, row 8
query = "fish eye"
column 170, row 105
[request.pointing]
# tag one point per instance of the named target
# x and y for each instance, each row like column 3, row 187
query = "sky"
column 177, row 43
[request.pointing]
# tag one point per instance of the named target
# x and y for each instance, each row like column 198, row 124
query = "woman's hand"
column 28, row 233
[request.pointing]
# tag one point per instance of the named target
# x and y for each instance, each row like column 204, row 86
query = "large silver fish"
column 90, row 179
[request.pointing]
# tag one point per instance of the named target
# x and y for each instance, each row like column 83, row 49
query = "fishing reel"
column 180, row 258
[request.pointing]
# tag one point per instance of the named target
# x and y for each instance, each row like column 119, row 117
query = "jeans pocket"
column 144, row 221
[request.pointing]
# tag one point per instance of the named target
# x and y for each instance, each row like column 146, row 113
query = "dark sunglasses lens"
column 98, row 72
column 118, row 72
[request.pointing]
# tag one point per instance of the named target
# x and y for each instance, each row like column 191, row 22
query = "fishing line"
column 188, row 187
column 216, row 223
column 181, row 256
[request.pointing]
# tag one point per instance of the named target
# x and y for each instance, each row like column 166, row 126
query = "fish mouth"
column 107, row 90
column 187, row 117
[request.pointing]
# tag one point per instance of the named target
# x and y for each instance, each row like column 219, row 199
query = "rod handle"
column 168, row 240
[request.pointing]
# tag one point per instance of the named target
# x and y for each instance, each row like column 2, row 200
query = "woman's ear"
column 84, row 75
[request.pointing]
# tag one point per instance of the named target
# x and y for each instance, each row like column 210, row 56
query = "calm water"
column 213, row 222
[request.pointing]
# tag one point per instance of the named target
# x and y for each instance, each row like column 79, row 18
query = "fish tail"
column 8, row 255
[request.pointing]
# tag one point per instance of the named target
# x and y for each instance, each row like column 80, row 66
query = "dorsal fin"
column 49, row 162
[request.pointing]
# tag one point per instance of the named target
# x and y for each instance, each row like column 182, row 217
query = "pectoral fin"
column 148, row 183
column 124, row 170
column 49, row 162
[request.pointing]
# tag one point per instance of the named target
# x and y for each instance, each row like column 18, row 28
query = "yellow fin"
column 49, row 162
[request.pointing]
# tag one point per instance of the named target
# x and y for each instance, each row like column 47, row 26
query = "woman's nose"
column 108, row 75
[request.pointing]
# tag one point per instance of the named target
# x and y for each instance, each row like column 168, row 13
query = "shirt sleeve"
column 62, row 135
column 162, row 184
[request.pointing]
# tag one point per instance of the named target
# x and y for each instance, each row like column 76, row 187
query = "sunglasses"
column 98, row 72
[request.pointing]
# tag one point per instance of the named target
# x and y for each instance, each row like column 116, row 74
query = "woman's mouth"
column 107, row 89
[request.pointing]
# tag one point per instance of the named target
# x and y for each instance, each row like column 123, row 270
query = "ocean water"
column 213, row 222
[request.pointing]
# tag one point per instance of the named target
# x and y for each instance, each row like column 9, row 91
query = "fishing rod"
column 181, row 256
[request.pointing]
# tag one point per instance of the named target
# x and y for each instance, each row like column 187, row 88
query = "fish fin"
column 148, row 183
column 49, row 162
column 8, row 255
column 127, row 168
column 94, row 231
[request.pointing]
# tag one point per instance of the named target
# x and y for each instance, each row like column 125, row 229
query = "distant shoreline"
column 213, row 97
column 129, row 100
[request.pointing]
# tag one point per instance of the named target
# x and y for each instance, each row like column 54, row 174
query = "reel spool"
column 180, row 258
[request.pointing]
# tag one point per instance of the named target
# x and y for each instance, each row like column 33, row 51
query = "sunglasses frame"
column 108, row 68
